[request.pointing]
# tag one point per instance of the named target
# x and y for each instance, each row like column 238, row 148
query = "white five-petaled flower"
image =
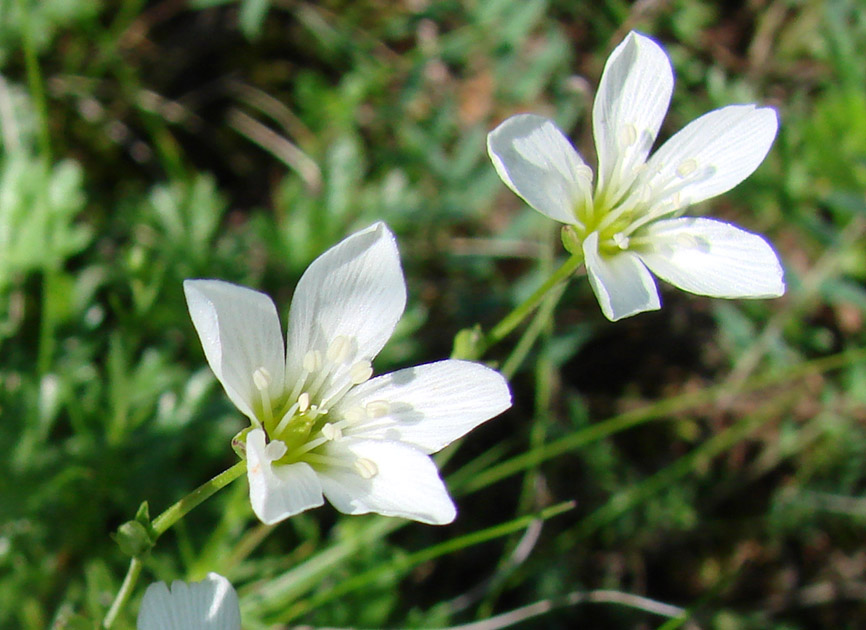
column 631, row 224
column 211, row 604
column 321, row 426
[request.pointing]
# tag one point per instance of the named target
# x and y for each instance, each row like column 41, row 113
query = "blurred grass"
column 715, row 449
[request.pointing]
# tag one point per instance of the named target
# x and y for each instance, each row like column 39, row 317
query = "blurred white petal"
column 355, row 290
column 713, row 153
column 632, row 100
column 538, row 163
column 240, row 333
column 430, row 406
column 713, row 258
column 278, row 492
column 621, row 282
column 406, row 482
column 211, row 604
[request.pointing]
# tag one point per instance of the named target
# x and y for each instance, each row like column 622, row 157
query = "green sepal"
column 571, row 240
column 136, row 537
column 468, row 344
column 239, row 443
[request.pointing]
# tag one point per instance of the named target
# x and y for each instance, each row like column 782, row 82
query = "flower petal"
column 355, row 290
column 406, row 482
column 430, row 406
column 538, row 163
column 713, row 258
column 632, row 100
column 240, row 333
column 211, row 604
column 621, row 282
column 712, row 154
column 278, row 492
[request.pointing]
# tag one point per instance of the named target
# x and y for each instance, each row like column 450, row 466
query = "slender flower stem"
column 515, row 317
column 163, row 523
column 195, row 498
column 124, row 593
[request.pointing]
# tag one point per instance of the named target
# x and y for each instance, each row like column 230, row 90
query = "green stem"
column 124, row 593
column 163, row 523
column 195, row 498
column 515, row 317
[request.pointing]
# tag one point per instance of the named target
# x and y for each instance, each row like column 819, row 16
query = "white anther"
column 261, row 379
column 584, row 172
column 339, row 349
column 330, row 432
column 360, row 372
column 377, row 408
column 275, row 450
column 313, row 361
column 628, row 136
column 366, row 468
column 354, row 415
column 687, row 167
column 621, row 240
column 303, row 402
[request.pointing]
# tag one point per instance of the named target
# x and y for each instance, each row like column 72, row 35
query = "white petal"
column 278, row 492
column 240, row 333
column 211, row 604
column 622, row 284
column 713, row 153
column 538, row 163
column 632, row 100
column 713, row 258
column 355, row 290
column 430, row 406
column 406, row 482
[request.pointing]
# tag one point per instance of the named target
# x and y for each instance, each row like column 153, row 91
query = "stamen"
column 354, row 415
column 261, row 379
column 275, row 450
column 262, row 382
column 313, row 361
column 377, row 408
column 339, row 349
column 303, row 402
column 687, row 167
column 366, row 468
column 331, row 432
column 628, row 136
column 360, row 372
column 287, row 417
column 621, row 240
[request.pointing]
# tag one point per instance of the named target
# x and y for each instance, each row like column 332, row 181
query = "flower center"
column 631, row 198
column 302, row 421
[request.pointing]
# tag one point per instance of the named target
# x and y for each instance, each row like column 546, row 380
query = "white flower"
column 631, row 224
column 320, row 425
column 211, row 604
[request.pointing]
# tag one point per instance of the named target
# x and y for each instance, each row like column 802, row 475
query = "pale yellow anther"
column 377, row 408
column 354, row 415
column 687, row 167
column 261, row 379
column 313, row 361
column 366, row 468
column 303, row 402
column 628, row 136
column 339, row 350
column 621, row 240
column 360, row 372
column 584, row 172
column 330, row 432
column 275, row 450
